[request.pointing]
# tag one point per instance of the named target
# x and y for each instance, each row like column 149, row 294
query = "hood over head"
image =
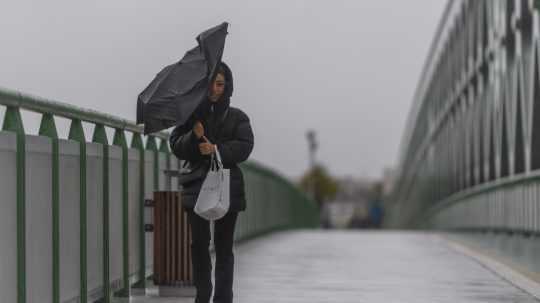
column 220, row 106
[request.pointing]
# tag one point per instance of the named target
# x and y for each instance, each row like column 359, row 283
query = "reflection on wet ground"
column 349, row 266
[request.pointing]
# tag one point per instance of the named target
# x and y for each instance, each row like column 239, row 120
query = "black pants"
column 202, row 264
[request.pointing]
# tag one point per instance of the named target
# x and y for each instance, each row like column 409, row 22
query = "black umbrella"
column 179, row 88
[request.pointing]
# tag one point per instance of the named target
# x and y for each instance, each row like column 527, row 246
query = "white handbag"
column 214, row 198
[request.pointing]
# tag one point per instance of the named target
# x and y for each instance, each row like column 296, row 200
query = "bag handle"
column 218, row 156
column 215, row 161
column 212, row 162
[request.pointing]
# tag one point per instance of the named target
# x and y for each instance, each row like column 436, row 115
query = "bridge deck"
column 348, row 266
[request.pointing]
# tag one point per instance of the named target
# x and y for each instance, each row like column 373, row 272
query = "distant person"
column 375, row 215
column 214, row 124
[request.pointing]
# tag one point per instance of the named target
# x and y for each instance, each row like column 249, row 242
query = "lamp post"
column 313, row 145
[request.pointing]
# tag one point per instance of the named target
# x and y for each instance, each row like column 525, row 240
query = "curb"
column 516, row 275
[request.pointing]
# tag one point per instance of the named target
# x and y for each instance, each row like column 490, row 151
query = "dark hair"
column 221, row 70
column 224, row 69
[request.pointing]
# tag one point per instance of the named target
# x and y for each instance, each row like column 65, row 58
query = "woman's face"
column 217, row 88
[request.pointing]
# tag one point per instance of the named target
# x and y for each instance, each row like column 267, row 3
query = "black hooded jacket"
column 227, row 127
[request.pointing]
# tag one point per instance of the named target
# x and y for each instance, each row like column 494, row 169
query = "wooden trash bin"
column 172, row 238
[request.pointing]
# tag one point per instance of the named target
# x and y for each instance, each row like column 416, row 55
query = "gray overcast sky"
column 346, row 68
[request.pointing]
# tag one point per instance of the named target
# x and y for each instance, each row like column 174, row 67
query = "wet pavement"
column 351, row 267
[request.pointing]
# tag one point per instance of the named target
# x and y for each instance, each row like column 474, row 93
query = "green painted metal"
column 274, row 203
column 14, row 100
column 137, row 142
column 13, row 122
column 515, row 181
column 58, row 109
column 76, row 133
column 48, row 126
column 48, row 129
column 164, row 148
column 151, row 144
column 304, row 209
column 100, row 136
column 120, row 140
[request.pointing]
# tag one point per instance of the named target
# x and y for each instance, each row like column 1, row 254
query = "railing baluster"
column 48, row 129
column 137, row 143
column 76, row 133
column 120, row 140
column 13, row 122
column 100, row 136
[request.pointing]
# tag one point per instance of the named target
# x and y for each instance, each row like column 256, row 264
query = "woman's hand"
column 206, row 148
column 198, row 129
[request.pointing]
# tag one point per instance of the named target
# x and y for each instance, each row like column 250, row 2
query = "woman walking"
column 214, row 124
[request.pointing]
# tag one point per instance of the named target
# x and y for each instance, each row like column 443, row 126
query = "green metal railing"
column 273, row 202
column 470, row 156
column 486, row 207
column 15, row 101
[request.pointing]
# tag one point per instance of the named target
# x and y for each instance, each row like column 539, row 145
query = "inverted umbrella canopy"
column 179, row 88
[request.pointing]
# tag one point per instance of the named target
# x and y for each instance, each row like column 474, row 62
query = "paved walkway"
column 352, row 267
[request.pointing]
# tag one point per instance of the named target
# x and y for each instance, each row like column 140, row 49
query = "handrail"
column 273, row 174
column 481, row 189
column 43, row 106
